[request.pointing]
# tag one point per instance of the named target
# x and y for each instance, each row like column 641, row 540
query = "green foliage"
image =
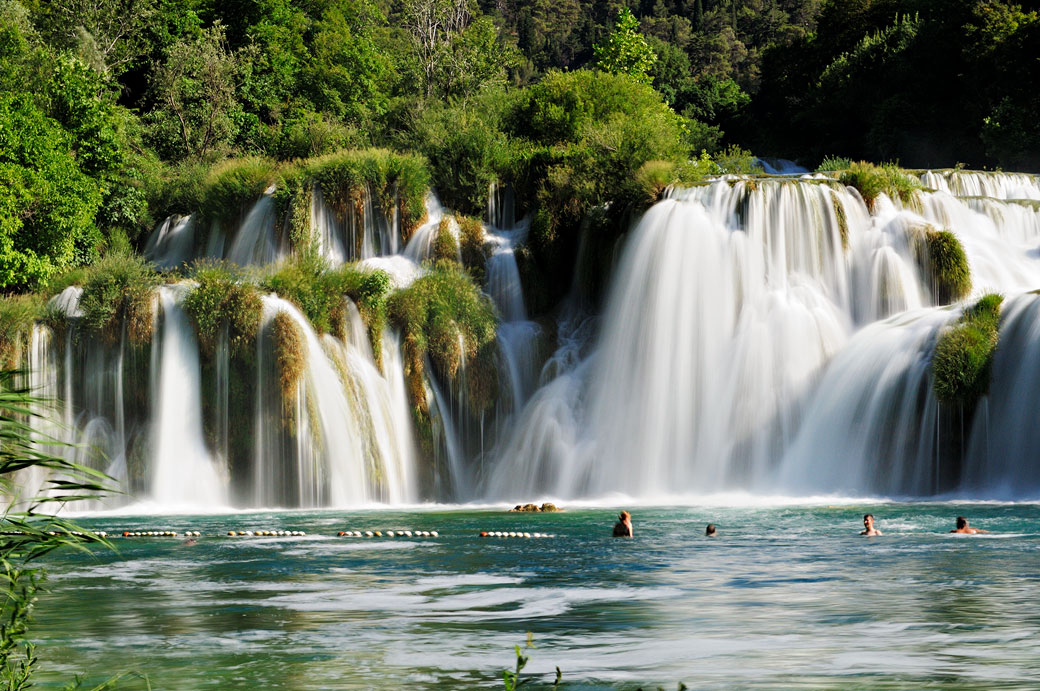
column 223, row 300
column 964, row 354
column 443, row 315
column 737, row 161
column 120, row 290
column 47, row 202
column 232, row 185
column 511, row 678
column 873, row 180
column 942, row 259
column 473, row 248
column 343, row 178
column 626, row 50
column 445, row 246
column 18, row 314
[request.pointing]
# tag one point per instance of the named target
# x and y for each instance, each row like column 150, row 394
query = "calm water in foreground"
column 786, row 596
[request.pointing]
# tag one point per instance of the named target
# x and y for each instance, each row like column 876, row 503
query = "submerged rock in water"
column 534, row 508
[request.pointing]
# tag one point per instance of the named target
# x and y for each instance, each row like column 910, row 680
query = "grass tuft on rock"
column 18, row 314
column 964, row 354
column 473, row 246
column 873, row 180
column 445, row 246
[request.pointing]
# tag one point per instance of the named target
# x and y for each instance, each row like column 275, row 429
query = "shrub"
column 120, row 289
column 223, row 300
column 872, row 181
column 234, row 184
column 942, row 260
column 737, row 161
column 964, row 352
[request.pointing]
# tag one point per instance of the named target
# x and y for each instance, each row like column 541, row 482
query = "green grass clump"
column 873, row 180
column 18, row 313
column 942, row 260
column 654, row 177
column 223, row 299
column 319, row 291
column 834, row 164
column 120, row 289
column 964, row 354
column 444, row 316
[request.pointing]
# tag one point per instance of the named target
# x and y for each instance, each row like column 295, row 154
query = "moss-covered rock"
column 445, row 246
column 444, row 316
column 943, row 262
column 290, row 351
column 964, row 352
column 224, row 299
column 319, row 291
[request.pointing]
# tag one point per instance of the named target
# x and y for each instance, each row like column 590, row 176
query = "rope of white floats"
column 300, row 533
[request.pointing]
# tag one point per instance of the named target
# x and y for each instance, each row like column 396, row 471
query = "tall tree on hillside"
column 626, row 51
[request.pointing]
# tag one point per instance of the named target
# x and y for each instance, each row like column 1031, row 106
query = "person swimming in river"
column 623, row 528
column 868, row 526
column 963, row 529
column 710, row 531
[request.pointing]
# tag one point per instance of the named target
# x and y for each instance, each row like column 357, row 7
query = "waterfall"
column 184, row 471
column 172, row 243
column 348, row 446
column 769, row 334
column 256, row 241
column 1005, row 442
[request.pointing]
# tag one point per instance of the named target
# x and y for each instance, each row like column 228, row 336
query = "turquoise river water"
column 786, row 596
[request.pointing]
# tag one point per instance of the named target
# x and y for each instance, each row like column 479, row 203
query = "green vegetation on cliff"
column 964, row 353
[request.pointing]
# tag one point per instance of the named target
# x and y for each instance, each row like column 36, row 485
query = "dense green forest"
column 111, row 111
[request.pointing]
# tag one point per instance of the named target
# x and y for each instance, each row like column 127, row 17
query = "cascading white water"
column 349, row 448
column 184, row 472
column 256, row 241
column 714, row 368
column 172, row 242
column 1005, row 445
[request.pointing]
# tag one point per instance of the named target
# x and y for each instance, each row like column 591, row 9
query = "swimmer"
column 963, row 529
column 710, row 531
column 868, row 525
column 623, row 528
column 190, row 542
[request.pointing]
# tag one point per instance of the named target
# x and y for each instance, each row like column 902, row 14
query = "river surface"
column 786, row 596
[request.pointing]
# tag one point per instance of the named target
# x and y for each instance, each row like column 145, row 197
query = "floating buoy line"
column 499, row 533
column 290, row 533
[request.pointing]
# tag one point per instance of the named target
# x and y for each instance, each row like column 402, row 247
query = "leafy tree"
column 626, row 51
column 194, row 93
